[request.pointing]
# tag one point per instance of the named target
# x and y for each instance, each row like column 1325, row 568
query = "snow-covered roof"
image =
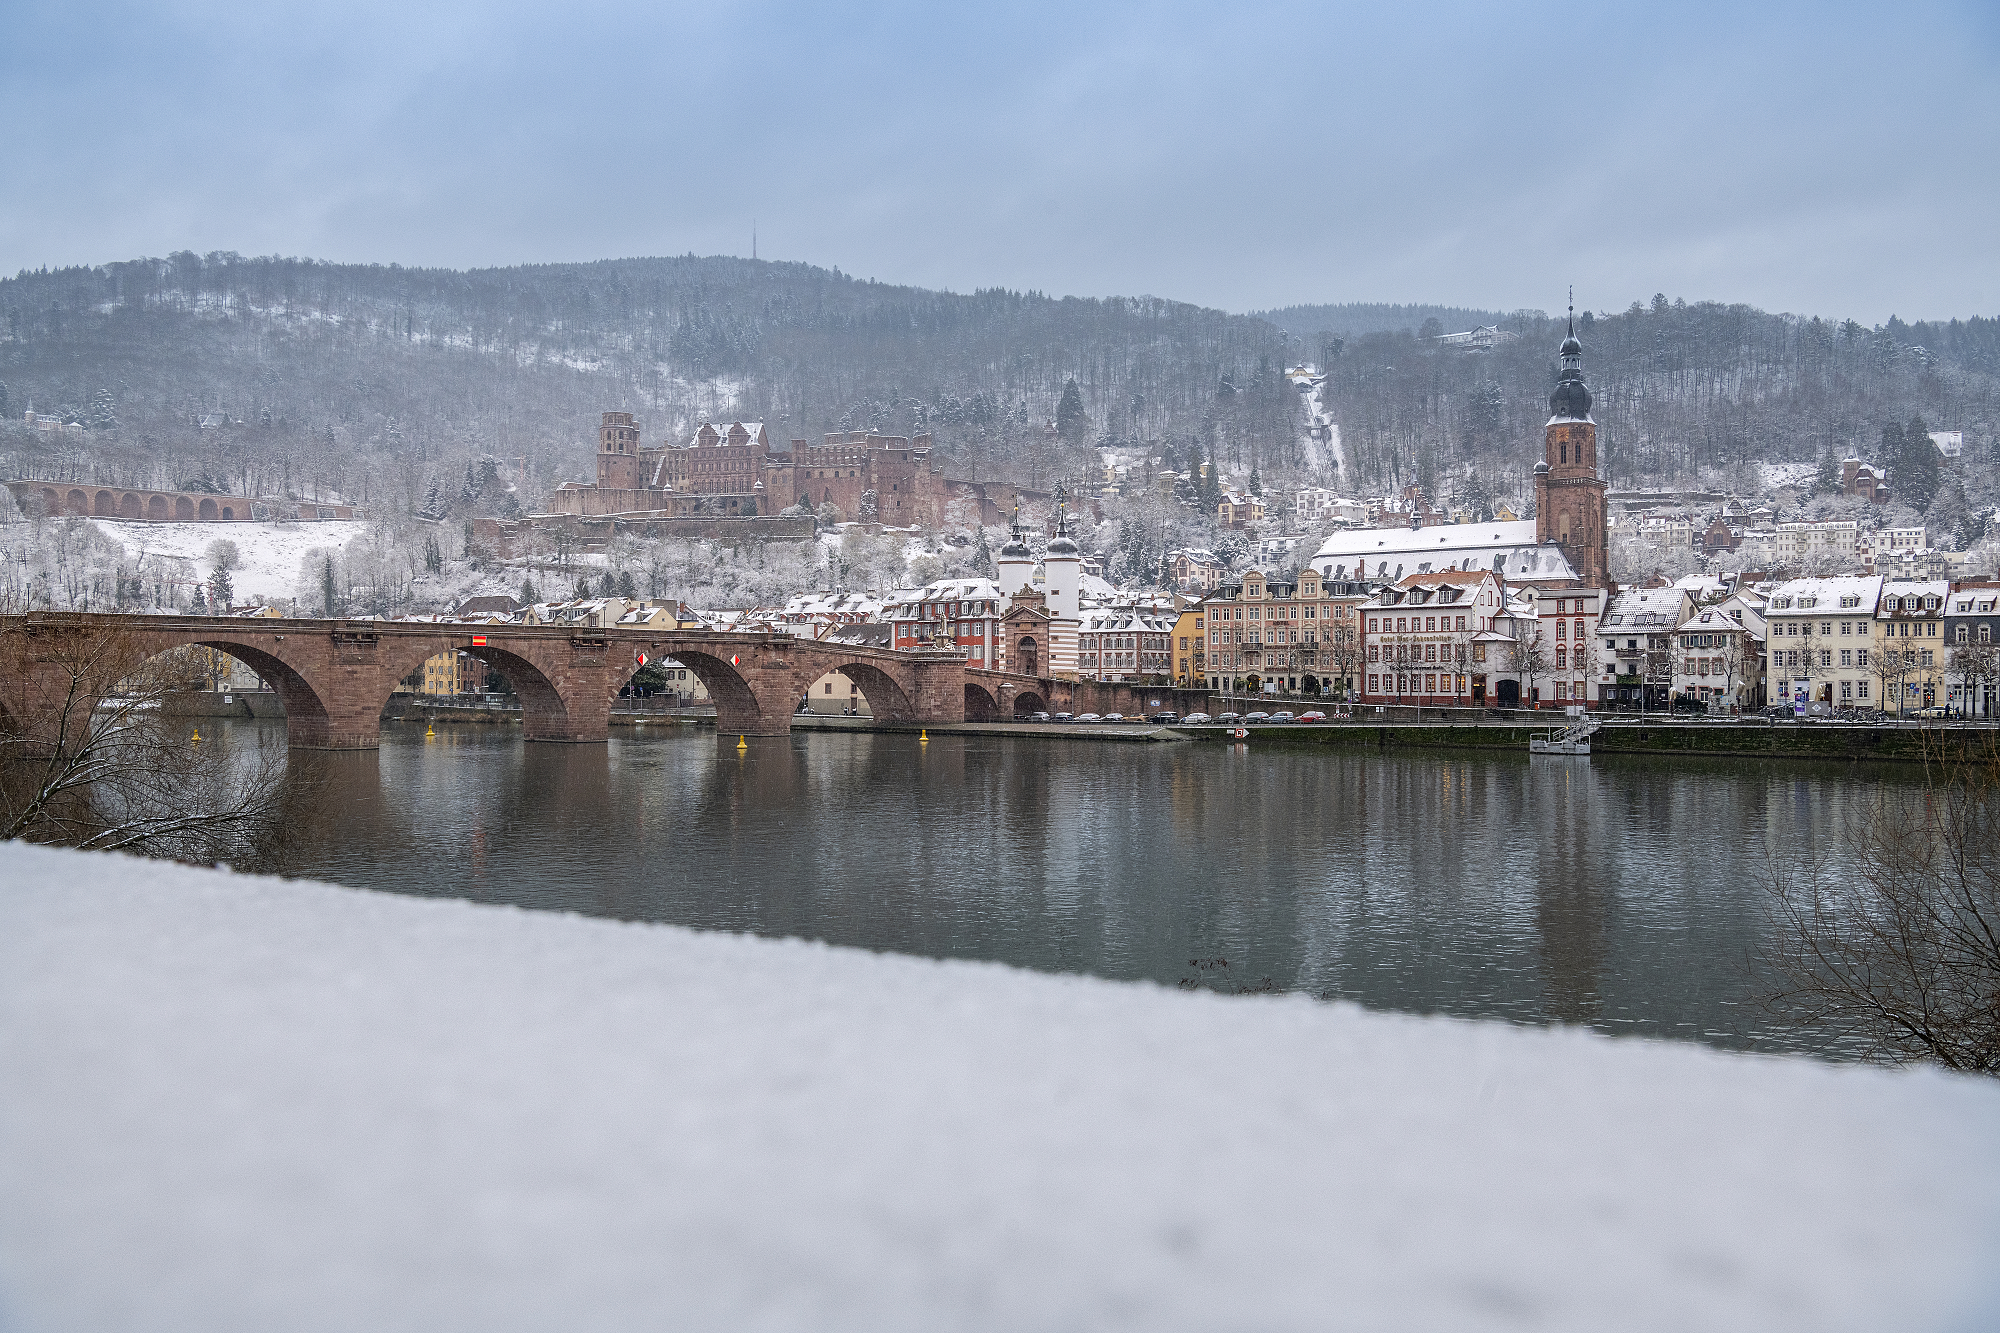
column 1814, row 596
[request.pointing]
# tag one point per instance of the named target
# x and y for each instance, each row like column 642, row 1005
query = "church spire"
column 1571, row 398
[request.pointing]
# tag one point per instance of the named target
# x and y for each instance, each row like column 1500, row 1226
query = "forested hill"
column 1352, row 320
column 268, row 374
column 281, row 375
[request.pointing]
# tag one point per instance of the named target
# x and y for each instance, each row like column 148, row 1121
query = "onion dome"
column 1061, row 546
column 1017, row 544
column 1572, row 397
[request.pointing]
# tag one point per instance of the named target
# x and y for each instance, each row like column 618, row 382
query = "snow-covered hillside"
column 246, row 1104
column 270, row 552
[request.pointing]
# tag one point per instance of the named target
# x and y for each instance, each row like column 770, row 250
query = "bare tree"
column 98, row 759
column 1528, row 658
column 1974, row 664
column 1898, row 953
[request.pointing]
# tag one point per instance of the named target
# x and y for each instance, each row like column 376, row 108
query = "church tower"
column 1569, row 495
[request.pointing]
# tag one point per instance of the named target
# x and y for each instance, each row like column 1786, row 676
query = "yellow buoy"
column 742, row 744
column 196, row 738
column 923, row 737
column 429, row 730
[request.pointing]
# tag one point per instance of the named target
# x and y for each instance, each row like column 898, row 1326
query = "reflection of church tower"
column 1569, row 495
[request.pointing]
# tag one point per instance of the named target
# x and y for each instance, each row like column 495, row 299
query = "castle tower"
column 618, row 466
column 1569, row 495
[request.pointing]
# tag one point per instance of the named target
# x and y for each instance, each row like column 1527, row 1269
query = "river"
column 1622, row 893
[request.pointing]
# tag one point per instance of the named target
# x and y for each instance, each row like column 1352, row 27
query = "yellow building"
column 1190, row 655
column 451, row 673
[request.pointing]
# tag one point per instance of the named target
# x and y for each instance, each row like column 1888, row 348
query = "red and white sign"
column 640, row 659
column 479, row 641
column 734, row 660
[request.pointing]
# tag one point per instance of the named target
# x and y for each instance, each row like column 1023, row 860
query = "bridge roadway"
column 335, row 675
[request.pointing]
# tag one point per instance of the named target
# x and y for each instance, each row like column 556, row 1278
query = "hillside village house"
column 1720, row 655
column 1910, row 645
column 1819, row 638
column 1194, row 570
column 1237, row 509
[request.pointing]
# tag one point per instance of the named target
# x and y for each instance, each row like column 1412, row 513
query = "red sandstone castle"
column 732, row 472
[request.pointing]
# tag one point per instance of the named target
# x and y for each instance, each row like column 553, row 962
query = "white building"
column 1950, row 443
column 1124, row 643
column 1836, row 539
column 1635, row 646
column 1719, row 656
column 1818, row 642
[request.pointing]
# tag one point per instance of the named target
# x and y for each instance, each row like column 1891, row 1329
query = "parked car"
column 1312, row 715
column 1038, row 717
column 1284, row 715
column 1196, row 719
column 1229, row 717
column 1114, row 717
column 1167, row 716
column 1062, row 717
column 1086, row 717
column 1931, row 712
column 1258, row 716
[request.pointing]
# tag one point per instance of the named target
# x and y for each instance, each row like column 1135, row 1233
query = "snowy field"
column 230, row 1103
column 271, row 552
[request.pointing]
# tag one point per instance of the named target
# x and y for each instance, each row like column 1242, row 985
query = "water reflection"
column 1621, row 893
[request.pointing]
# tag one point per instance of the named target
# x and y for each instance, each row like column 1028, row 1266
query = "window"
column 1846, row 627
column 1846, row 689
column 1861, row 689
column 1431, row 623
column 1845, row 655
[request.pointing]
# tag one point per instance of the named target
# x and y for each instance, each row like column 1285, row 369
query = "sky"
column 1831, row 159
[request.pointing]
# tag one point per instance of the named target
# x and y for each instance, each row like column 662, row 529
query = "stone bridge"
column 335, row 676
column 56, row 499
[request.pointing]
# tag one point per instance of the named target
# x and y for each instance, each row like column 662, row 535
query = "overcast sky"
column 1822, row 158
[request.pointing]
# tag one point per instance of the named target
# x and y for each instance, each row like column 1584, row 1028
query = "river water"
column 1622, row 893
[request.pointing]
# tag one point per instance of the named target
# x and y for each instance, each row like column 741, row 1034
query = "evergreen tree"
column 1913, row 476
column 627, row 589
column 221, row 589
column 433, row 500
column 1256, row 481
column 529, row 594
column 582, row 589
column 606, row 587
column 433, row 556
column 6, row 402
column 1826, row 478
column 103, row 412
column 1072, row 423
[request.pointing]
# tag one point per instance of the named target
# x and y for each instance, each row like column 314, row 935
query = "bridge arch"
column 737, row 708
column 208, row 510
column 183, row 509
column 1027, row 701
column 980, row 706
column 308, row 724
column 545, row 714
column 104, row 505
column 128, row 506
column 888, row 701
column 51, row 503
column 156, row 508
column 77, row 503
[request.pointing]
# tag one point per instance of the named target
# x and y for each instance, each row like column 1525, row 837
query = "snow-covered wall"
column 236, row 1103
